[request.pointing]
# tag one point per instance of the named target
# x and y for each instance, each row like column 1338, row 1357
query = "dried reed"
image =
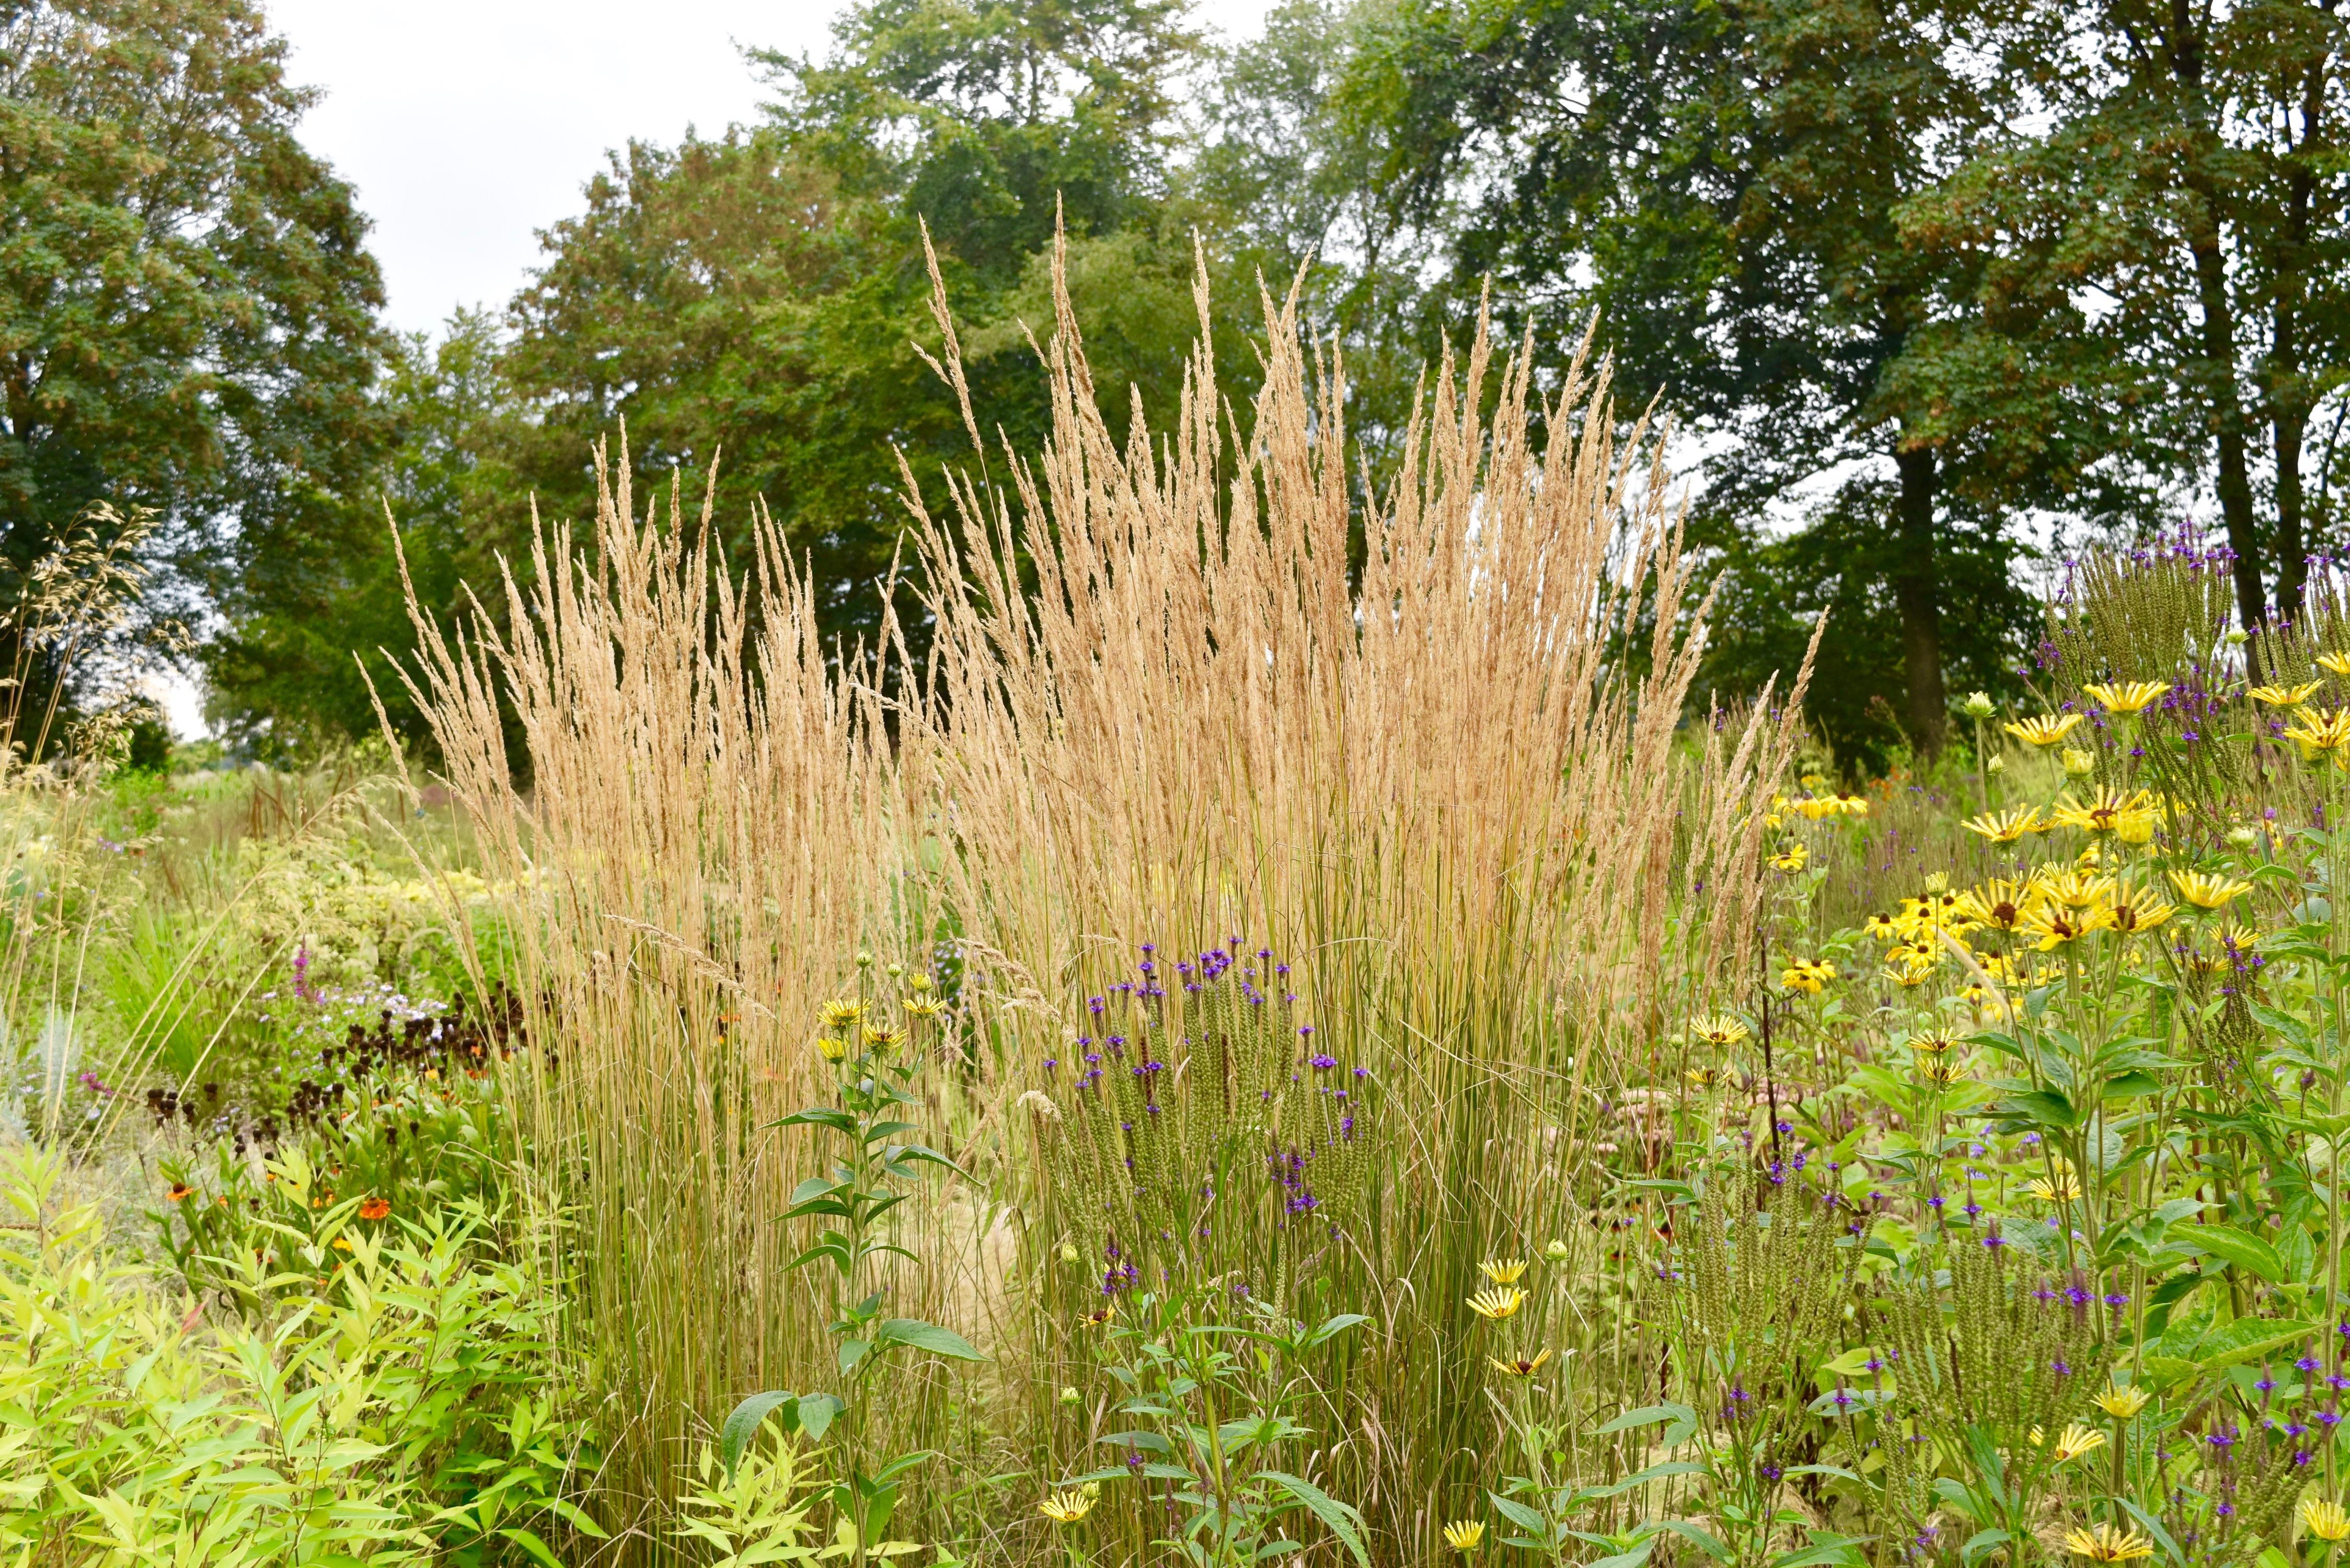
column 1431, row 746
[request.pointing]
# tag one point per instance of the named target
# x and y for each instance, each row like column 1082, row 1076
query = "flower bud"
column 1977, row 705
column 864, row 959
column 2238, row 637
column 895, row 970
column 2078, row 764
column 1069, row 1252
column 1069, row 1397
column 1556, row 1253
column 1996, row 766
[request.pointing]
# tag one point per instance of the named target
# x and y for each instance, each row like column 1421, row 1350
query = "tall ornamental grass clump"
column 1193, row 691
column 1425, row 747
column 709, row 828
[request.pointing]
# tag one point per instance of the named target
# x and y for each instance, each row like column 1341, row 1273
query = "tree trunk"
column 2216, row 372
column 2288, row 389
column 1918, row 592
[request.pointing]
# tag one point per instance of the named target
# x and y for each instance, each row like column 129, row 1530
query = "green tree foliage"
column 1726, row 186
column 187, row 310
column 2186, row 177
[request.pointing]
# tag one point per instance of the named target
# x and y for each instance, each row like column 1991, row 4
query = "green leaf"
column 1633, row 1559
column 2248, row 1338
column 1827, row 1547
column 1519, row 1514
column 1682, row 1421
column 744, row 1422
column 2240, row 1249
column 1653, row 1473
column 2155, row 1534
column 529, row 1542
column 1981, row 1542
column 2042, row 1108
column 819, row 1116
column 914, row 1333
column 1697, row 1536
column 1336, row 1517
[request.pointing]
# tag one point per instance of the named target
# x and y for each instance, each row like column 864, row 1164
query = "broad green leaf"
column 1518, row 1513
column 1336, row 1517
column 914, row 1333
column 2239, row 1248
column 744, row 1422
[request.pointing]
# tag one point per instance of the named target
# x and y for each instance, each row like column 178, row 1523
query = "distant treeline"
column 1921, row 283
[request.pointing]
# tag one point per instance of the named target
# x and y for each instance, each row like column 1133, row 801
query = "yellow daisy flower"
column 1495, row 1305
column 2122, row 1402
column 1066, row 1507
column 2129, row 697
column 1519, row 1367
column 2078, row 1440
column 2005, row 826
column 2283, row 696
column 1465, row 1534
column 2208, row 892
column 2325, row 1519
column 2107, row 1544
column 1503, row 1273
column 2044, row 730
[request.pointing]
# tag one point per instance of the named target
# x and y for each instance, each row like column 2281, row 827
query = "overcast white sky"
column 469, row 124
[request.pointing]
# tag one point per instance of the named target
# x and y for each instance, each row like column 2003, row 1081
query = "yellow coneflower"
column 2339, row 663
column 1790, row 860
column 2078, row 890
column 1100, row 1316
column 2134, row 913
column 1465, row 1534
column 2128, row 697
column 181, row 1192
column 2044, row 730
column 2005, row 826
column 1503, row 1273
column 1884, row 928
column 1912, row 968
column 2078, row 1440
column 842, row 1014
column 1940, row 1072
column 2283, row 696
column 2063, row 1187
column 2208, row 892
column 830, row 1049
column 1701, row 1078
column 2319, row 735
column 1066, row 1507
column 2107, row 1544
column 1520, row 1366
column 1812, row 810
column 1495, row 1305
column 1809, row 976
column 2102, row 812
column 1724, row 1031
column 2052, row 926
column 2123, row 1401
column 884, row 1037
column 1853, row 804
column 2001, row 904
column 922, row 1005
column 2325, row 1519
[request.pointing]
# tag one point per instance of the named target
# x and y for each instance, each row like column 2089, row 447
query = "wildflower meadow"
column 1289, row 1031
